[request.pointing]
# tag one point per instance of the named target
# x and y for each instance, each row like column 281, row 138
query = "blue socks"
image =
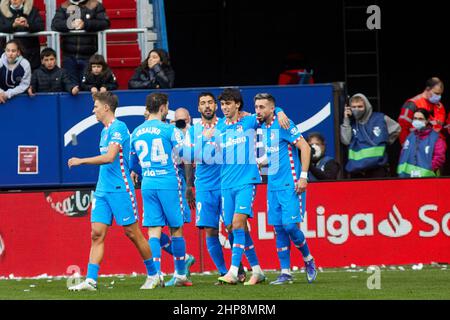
column 238, row 247
column 283, row 247
column 155, row 246
column 216, row 253
column 92, row 271
column 150, row 266
column 166, row 244
column 250, row 252
column 298, row 238
column 179, row 253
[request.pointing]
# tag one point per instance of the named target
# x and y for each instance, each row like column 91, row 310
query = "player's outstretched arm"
column 108, row 157
column 305, row 152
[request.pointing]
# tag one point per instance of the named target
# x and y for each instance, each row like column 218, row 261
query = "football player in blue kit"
column 114, row 196
column 286, row 186
column 158, row 146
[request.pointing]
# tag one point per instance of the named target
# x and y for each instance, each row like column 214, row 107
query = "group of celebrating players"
column 226, row 174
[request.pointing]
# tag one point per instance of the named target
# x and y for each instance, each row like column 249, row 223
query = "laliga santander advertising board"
column 365, row 223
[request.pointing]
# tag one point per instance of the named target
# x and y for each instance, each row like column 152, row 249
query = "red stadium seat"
column 296, row 76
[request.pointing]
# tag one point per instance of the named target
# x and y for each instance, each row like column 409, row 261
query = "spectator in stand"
column 78, row 48
column 367, row 134
column 423, row 153
column 155, row 72
column 21, row 16
column 98, row 76
column 430, row 100
column 15, row 71
column 322, row 166
column 51, row 78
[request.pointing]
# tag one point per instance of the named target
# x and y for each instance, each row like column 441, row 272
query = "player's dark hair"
column 425, row 113
column 265, row 96
column 206, row 94
column 433, row 82
column 232, row 94
column 47, row 52
column 318, row 136
column 108, row 98
column 154, row 101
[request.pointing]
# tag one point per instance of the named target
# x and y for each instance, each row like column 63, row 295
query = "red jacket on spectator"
column 437, row 117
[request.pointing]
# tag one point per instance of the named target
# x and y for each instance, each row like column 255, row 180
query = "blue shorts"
column 162, row 208
column 237, row 200
column 120, row 205
column 283, row 207
column 209, row 208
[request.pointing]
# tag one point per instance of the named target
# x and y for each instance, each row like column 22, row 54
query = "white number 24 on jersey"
column 157, row 152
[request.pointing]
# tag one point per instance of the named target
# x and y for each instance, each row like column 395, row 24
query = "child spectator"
column 155, row 72
column 51, row 78
column 98, row 76
column 15, row 71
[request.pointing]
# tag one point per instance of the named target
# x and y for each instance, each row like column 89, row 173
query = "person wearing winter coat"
column 22, row 16
column 51, row 78
column 98, row 76
column 155, row 72
column 77, row 48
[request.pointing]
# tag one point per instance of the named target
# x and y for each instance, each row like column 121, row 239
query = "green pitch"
column 432, row 282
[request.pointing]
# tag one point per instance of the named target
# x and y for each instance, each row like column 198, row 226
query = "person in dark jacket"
column 21, row 16
column 98, row 76
column 322, row 166
column 51, row 78
column 155, row 72
column 78, row 48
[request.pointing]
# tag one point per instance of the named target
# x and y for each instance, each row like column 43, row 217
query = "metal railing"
column 52, row 39
column 142, row 40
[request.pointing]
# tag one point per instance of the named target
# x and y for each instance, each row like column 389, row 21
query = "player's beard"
column 206, row 117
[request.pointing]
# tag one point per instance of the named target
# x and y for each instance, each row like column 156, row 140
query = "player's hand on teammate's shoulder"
column 301, row 185
column 134, row 177
column 283, row 120
column 74, row 162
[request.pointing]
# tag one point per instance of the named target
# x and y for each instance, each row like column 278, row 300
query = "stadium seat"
column 296, row 76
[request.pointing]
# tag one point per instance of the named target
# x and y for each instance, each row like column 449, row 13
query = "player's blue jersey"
column 237, row 149
column 284, row 162
column 157, row 145
column 115, row 176
column 207, row 171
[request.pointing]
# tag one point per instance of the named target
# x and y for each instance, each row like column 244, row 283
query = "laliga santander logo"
column 395, row 226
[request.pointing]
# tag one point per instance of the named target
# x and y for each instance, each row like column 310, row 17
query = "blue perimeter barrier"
column 52, row 121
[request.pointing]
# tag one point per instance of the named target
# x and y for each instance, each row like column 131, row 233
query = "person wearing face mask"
column 430, row 100
column 22, row 16
column 367, row 134
column 423, row 152
column 322, row 166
